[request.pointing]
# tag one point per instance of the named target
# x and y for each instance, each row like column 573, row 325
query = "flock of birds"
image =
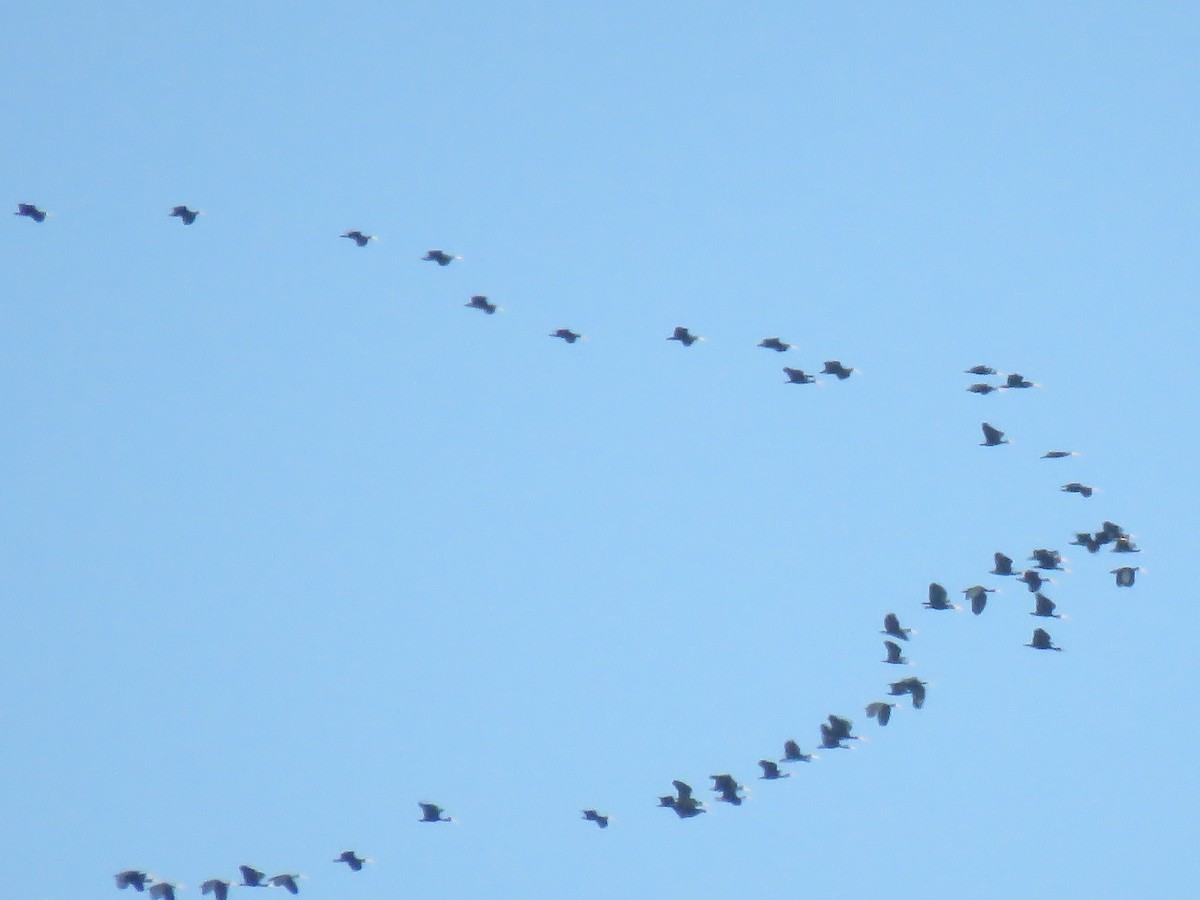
column 836, row 731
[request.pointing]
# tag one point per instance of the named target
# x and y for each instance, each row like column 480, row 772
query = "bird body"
column 185, row 215
column 431, row 812
column 891, row 626
column 592, row 816
column 1015, row 380
column 360, row 238
column 1032, row 580
column 835, row 732
column 252, row 877
column 912, row 686
column 771, row 770
column 981, row 388
column 163, row 890
column 134, row 879
column 479, row 301
column 728, row 788
column 1076, row 488
column 834, row 367
column 1003, row 564
column 797, row 376
column 1044, row 607
column 791, row 753
column 993, row 437
column 31, row 212
column 980, row 370
column 684, row 336
column 1125, row 575
column 881, row 712
column 774, row 343
column 1047, row 559
column 685, row 805
column 1058, row 454
column 1041, row 641
column 566, row 334
column 938, row 598
column 440, row 257
column 287, row 882
column 977, row 594
column 215, row 886
column 352, row 859
column 894, row 656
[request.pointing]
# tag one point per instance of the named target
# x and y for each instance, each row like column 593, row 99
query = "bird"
column 1110, row 531
column 1041, row 641
column 894, row 655
column 286, row 881
column 187, row 216
column 912, row 686
column 797, row 376
column 835, row 732
column 775, row 344
column 1085, row 539
column 431, row 812
column 728, row 788
column 834, row 367
column 1032, row 580
column 684, row 336
column 1058, row 454
column 1047, row 559
column 1125, row 544
column 881, row 712
column 1015, row 380
column 938, row 598
column 977, row 594
column 163, row 890
column 359, row 238
column 1044, row 607
column 891, row 625
column 352, row 859
column 481, row 302
column 134, row 879
column 685, row 805
column 30, row 211
column 993, row 437
column 981, row 388
column 1076, row 488
column 252, row 877
column 440, row 257
column 1125, row 575
column 791, row 753
column 980, row 370
column 1003, row 565
column 592, row 816
column 566, row 334
column 215, row 886
column 771, row 770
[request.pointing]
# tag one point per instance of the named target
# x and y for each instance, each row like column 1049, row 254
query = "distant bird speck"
column 685, row 805
column 215, row 886
column 287, row 882
column 981, row 388
column 1018, row 381
column 837, row 731
column 1033, row 580
column 1058, row 454
column 252, row 877
column 728, row 788
column 163, row 890
column 1047, row 559
column 1044, row 607
column 352, row 859
column 980, row 370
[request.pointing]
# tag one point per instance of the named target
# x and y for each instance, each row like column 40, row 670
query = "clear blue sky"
column 292, row 540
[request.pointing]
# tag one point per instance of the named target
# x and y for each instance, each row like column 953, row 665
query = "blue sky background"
column 292, row 541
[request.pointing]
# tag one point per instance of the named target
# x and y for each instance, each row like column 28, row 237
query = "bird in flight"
column 592, row 816
column 481, row 302
column 791, row 753
column 1076, row 488
column 1033, row 580
column 134, row 879
column 980, row 370
column 252, row 877
column 993, row 437
column 685, row 805
column 1041, row 640
column 185, row 215
column 977, row 594
column 836, row 731
column 797, row 376
column 912, row 686
column 163, row 890
column 1003, row 565
column 938, row 598
column 359, row 238
column 834, row 367
column 981, row 388
column 440, row 257
column 891, row 626
column 894, row 656
column 431, row 812
column 1018, row 381
column 1058, row 454
column 881, row 712
column 287, row 882
column 1044, row 607
column 31, row 212
column 684, row 336
column 1047, row 559
column 566, row 334
column 1125, row 575
column 215, row 886
column 352, row 859
column 771, row 770
column 728, row 788
column 774, row 343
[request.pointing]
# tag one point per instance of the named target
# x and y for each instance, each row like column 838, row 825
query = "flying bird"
column 1044, row 607
column 791, row 753
column 566, row 334
column 775, row 344
column 134, row 879
column 252, row 877
column 1018, row 381
column 1041, row 641
column 684, row 336
column 938, row 598
column 981, row 388
column 1058, row 454
column 215, row 886
column 728, row 788
column 287, row 882
column 881, row 712
column 1125, row 575
column 771, row 770
column 1032, row 580
column 977, row 594
column 1003, row 565
column 359, row 238
column 187, row 216
column 30, row 211
column 1110, row 531
column 685, row 805
column 163, row 890
column 352, row 859
column 1125, row 544
column 915, row 687
column 797, row 376
column 440, row 257
column 835, row 732
column 431, row 812
column 980, row 370
column 893, row 654
column 993, row 437
column 891, row 626
column 834, row 367
column 1047, row 559
column 592, row 816
column 1076, row 488
column 481, row 302
column 1085, row 539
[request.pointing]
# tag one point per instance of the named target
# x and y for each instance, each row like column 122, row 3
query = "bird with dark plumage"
column 134, row 879
column 1076, row 488
column 835, row 732
column 1017, row 381
column 981, row 388
column 1033, row 580
column 359, row 238
column 980, row 370
column 977, row 594
column 684, row 336
column 252, row 877
column 566, row 334
column 1125, row 544
column 938, row 598
column 913, row 686
column 728, row 788
column 685, row 805
column 1058, row 454
column 1003, row 564
column 791, row 753
column 797, row 376
column 1111, row 531
column 163, row 890
column 1125, row 575
column 1047, row 559
column 993, row 437
column 352, row 859
column 771, row 770
column 774, row 343
column 480, row 302
column 834, row 367
column 185, row 215
column 431, row 812
column 592, row 816
column 881, row 712
column 440, row 257
column 894, row 656
column 286, row 881
column 1044, row 607
column 31, row 212
column 1085, row 539
column 1041, row 640
column 891, row 626
column 215, row 886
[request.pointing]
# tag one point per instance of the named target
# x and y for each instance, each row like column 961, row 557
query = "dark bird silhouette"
column 771, row 770
column 1125, row 544
column 1044, row 607
column 1003, row 565
column 185, row 215
column 567, row 335
column 287, row 882
column 252, row 877
column 981, row 388
column 881, row 712
column 797, row 376
column 684, row 336
column 1047, row 559
column 163, row 890
column 894, row 655
column 134, row 879
column 992, row 437
column 1041, row 641
column 685, row 805
column 481, row 302
column 834, row 367
column 774, row 344
column 1125, row 575
column 1110, row 531
column 728, row 788
column 1076, row 488
column 1017, row 381
column 980, row 370
column 938, row 598
column 1033, row 580
column 352, row 859
column 915, row 687
column 835, row 732
column 1084, row 539
column 1058, row 454
column 791, row 753
column 431, row 812
column 30, row 211
column 977, row 594
column 592, row 816
column 440, row 257
column 891, row 626
column 359, row 238
column 215, row 886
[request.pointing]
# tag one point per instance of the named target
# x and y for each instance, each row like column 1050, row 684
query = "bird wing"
column 990, row 434
column 683, row 789
column 893, row 651
column 937, row 594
